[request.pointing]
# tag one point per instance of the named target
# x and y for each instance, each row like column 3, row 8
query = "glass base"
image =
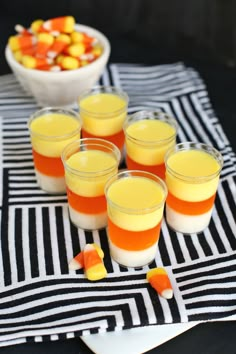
column 88, row 222
column 187, row 224
column 51, row 185
column 133, row 259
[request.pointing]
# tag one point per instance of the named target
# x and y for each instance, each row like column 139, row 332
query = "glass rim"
column 95, row 142
column 127, row 173
column 99, row 89
column 198, row 146
column 168, row 119
column 47, row 110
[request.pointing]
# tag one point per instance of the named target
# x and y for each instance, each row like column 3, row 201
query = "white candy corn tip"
column 47, row 25
column 55, row 68
column 51, row 54
column 88, row 247
column 74, row 265
column 167, row 294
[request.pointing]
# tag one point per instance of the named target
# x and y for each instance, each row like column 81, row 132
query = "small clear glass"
column 135, row 203
column 103, row 111
column 148, row 136
column 88, row 164
column 192, row 177
column 51, row 129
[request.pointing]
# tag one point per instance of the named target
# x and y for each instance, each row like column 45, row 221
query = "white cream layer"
column 133, row 258
column 88, row 221
column 187, row 223
column 51, row 185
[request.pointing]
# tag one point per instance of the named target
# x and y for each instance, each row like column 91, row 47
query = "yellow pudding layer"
column 103, row 114
column 149, row 147
column 94, row 168
column 135, row 203
column 194, row 164
column 50, row 133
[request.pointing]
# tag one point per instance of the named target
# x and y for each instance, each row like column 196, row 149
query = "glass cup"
column 148, row 136
column 192, row 176
column 51, row 129
column 103, row 111
column 88, row 164
column 135, row 203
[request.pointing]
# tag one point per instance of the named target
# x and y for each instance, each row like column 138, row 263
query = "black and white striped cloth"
column 40, row 299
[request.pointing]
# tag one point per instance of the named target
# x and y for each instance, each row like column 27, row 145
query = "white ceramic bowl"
column 61, row 88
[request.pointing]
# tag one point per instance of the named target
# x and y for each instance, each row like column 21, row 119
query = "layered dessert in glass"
column 89, row 163
column 192, row 177
column 135, row 203
column 148, row 136
column 51, row 129
column 103, row 111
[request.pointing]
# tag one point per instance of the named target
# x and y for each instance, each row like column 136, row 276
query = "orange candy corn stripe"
column 18, row 54
column 159, row 280
column 20, row 42
column 50, row 166
column 87, row 205
column 48, row 67
column 190, row 208
column 93, row 264
column 158, row 170
column 78, row 261
column 133, row 240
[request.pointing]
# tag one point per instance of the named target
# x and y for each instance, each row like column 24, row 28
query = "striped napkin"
column 40, row 299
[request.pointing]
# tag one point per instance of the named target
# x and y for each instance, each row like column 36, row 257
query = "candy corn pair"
column 159, row 280
column 91, row 260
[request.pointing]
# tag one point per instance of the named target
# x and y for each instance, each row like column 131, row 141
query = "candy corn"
column 77, row 37
column 60, row 43
column 44, row 42
column 20, row 42
column 159, row 280
column 63, row 24
column 18, row 54
column 81, row 37
column 75, row 50
column 93, row 264
column 78, row 261
column 22, row 30
column 69, row 63
column 36, row 26
column 31, row 62
column 97, row 51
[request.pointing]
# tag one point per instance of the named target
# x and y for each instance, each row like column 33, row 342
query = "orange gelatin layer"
column 118, row 139
column 133, row 240
column 50, row 166
column 87, row 205
column 190, row 208
column 158, row 170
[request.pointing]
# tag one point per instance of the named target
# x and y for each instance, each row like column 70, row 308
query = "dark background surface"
column 201, row 33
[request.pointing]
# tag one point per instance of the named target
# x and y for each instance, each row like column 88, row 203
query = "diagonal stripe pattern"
column 41, row 300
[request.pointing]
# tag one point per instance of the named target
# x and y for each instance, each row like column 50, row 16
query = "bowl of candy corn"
column 56, row 59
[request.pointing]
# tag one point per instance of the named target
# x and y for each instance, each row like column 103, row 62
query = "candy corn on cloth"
column 40, row 298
